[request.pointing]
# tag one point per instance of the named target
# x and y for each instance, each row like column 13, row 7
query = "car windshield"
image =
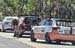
column 63, row 23
column 9, row 19
column 31, row 20
column 46, row 22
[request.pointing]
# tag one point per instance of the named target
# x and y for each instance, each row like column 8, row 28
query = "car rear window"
column 46, row 22
column 9, row 19
column 31, row 20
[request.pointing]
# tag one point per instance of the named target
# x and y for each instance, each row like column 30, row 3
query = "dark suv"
column 25, row 25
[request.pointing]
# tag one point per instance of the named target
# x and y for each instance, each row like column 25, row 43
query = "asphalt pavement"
column 24, row 42
column 9, row 43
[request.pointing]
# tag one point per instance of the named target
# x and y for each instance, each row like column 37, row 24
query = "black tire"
column 32, row 37
column 73, row 43
column 0, row 29
column 47, row 39
column 58, row 42
column 3, row 30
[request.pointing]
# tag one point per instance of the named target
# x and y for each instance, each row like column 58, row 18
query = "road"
column 8, row 43
column 39, row 44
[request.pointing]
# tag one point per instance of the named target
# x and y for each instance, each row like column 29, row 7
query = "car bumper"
column 7, row 27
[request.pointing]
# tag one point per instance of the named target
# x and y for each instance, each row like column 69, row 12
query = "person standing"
column 15, row 23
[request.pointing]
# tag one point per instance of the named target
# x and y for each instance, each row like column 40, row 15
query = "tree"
column 29, row 8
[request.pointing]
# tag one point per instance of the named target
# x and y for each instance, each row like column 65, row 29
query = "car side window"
column 46, row 22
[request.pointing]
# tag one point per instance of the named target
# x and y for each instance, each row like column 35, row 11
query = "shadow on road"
column 25, row 36
column 8, row 31
column 42, row 42
column 53, row 43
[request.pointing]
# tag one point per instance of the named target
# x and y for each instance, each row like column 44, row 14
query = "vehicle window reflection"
column 46, row 22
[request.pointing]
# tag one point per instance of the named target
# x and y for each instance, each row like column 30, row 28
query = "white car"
column 0, row 25
column 46, row 26
column 7, row 23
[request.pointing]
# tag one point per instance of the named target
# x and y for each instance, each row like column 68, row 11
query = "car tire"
column 0, row 29
column 3, row 30
column 58, row 42
column 47, row 39
column 32, row 37
column 73, row 43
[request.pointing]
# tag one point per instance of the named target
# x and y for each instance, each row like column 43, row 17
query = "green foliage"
column 30, row 6
column 49, row 2
column 13, row 7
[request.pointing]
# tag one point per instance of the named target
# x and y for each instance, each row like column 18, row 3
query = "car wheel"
column 58, row 42
column 73, row 43
column 32, row 37
column 0, row 29
column 3, row 30
column 47, row 38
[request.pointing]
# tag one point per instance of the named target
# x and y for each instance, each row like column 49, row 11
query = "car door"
column 44, row 27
